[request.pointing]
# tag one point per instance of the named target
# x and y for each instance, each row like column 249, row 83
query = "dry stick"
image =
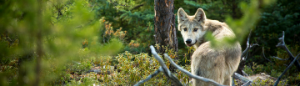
column 277, row 81
column 248, row 45
column 190, row 74
column 282, row 45
column 165, row 69
column 275, row 57
column 161, row 61
column 149, row 77
column 263, row 49
column 241, row 77
column 244, row 55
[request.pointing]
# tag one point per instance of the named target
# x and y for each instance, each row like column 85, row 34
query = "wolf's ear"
column 200, row 15
column 181, row 14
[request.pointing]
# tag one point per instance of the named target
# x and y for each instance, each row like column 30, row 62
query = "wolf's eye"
column 195, row 29
column 184, row 29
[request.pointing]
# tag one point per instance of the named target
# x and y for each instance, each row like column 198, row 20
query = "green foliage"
column 126, row 69
column 196, row 5
column 267, row 82
column 275, row 19
column 135, row 17
column 57, row 41
column 248, row 70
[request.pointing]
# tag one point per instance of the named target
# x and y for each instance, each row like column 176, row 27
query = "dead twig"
column 248, row 45
column 161, row 61
column 149, row 77
column 241, row 77
column 275, row 57
column 165, row 70
column 245, row 55
column 281, row 44
column 263, row 52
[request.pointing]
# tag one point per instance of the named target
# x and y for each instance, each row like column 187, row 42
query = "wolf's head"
column 192, row 27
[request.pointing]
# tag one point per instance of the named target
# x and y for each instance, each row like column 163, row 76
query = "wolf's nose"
column 188, row 41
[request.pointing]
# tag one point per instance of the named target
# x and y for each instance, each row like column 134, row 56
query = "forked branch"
column 167, row 72
column 245, row 54
column 190, row 74
column 149, row 77
column 281, row 44
column 163, row 68
column 248, row 45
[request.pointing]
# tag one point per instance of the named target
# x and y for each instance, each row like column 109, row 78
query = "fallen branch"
column 161, row 61
column 163, row 68
column 241, row 77
column 166, row 71
column 282, row 45
column 190, row 74
column 295, row 60
column 149, row 77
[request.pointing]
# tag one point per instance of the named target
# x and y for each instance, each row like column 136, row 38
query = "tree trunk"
column 165, row 31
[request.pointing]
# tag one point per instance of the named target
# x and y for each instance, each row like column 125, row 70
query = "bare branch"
column 282, row 45
column 163, row 68
column 263, row 52
column 281, row 42
column 248, row 45
column 245, row 54
column 190, row 74
column 275, row 57
column 244, row 73
column 241, row 77
column 149, row 77
column 277, row 81
column 161, row 61
column 166, row 71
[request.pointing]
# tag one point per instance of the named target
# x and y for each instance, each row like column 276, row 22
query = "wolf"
column 217, row 64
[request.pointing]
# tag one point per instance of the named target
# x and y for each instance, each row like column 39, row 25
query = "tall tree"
column 165, row 31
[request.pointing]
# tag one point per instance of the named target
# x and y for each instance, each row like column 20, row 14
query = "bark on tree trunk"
column 165, row 31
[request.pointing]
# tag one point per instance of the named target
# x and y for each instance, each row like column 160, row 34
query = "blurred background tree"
column 36, row 44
